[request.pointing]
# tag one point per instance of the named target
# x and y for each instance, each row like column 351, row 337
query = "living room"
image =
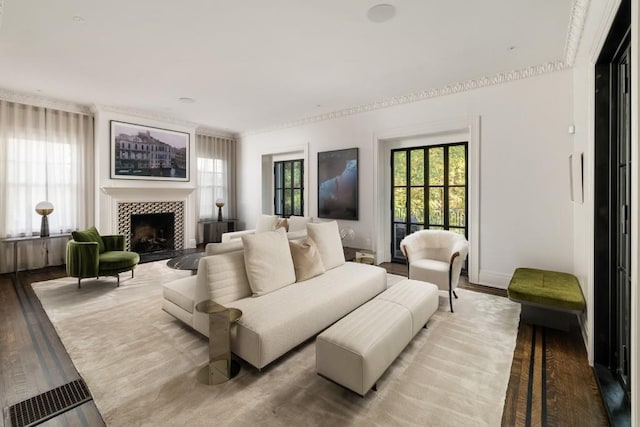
column 521, row 95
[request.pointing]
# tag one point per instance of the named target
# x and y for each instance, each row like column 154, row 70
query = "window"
column 211, row 173
column 215, row 175
column 429, row 191
column 288, row 187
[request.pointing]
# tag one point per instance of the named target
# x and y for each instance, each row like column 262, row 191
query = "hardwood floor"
column 550, row 383
column 32, row 358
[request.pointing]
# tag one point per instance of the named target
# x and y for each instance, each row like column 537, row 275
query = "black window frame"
column 279, row 205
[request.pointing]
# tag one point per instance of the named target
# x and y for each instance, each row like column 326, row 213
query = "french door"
column 612, row 219
column 428, row 191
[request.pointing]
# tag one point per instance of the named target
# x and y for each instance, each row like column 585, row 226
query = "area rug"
column 141, row 364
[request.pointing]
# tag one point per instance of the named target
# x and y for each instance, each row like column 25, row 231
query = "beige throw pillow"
column 298, row 223
column 307, row 261
column 268, row 262
column 282, row 223
column 326, row 236
column 266, row 223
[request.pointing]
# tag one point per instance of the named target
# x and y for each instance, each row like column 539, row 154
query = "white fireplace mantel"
column 126, row 192
column 112, row 195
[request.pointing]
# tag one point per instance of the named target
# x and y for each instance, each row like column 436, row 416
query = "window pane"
column 436, row 166
column 457, row 230
column 287, row 174
column 457, row 198
column 457, row 165
column 297, row 202
column 399, row 232
column 278, row 202
column 297, row 174
column 279, row 174
column 417, row 167
column 287, row 203
column 436, row 227
column 436, row 205
column 416, row 227
column 399, row 168
column 400, row 204
column 417, row 205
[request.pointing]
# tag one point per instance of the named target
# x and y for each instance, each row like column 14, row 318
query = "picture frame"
column 338, row 184
column 149, row 153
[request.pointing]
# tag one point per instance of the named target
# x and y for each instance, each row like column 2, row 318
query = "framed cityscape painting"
column 149, row 153
column 338, row 184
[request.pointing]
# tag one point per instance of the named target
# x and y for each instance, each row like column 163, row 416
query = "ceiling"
column 253, row 64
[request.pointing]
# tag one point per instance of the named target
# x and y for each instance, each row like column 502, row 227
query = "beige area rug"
column 141, row 364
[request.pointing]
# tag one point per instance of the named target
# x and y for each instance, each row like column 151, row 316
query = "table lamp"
column 44, row 208
column 219, row 204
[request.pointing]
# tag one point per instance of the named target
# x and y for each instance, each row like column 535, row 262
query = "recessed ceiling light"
column 186, row 100
column 381, row 13
column 79, row 19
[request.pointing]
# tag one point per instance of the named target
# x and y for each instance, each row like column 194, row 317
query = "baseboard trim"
column 494, row 279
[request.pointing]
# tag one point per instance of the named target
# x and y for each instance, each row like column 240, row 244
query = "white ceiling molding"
column 574, row 32
column 41, row 101
column 1, row 10
column 496, row 79
column 146, row 115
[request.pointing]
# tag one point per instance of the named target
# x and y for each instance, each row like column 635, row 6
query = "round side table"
column 220, row 368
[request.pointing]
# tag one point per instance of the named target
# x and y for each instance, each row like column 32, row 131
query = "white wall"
column 110, row 191
column 525, row 210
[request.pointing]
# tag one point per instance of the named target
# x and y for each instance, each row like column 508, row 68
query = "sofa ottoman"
column 359, row 348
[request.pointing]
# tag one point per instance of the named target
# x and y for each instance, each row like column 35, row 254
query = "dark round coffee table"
column 186, row 262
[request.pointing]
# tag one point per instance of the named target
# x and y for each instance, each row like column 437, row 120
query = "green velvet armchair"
column 91, row 255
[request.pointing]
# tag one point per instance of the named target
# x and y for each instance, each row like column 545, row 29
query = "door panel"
column 429, row 190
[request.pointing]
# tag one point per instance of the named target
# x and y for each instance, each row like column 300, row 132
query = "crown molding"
column 41, row 101
column 496, row 79
column 144, row 114
column 579, row 11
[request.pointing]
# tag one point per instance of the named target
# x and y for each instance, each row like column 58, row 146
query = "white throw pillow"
column 266, row 223
column 298, row 223
column 327, row 238
column 268, row 262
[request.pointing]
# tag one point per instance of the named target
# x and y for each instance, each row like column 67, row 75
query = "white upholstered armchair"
column 436, row 256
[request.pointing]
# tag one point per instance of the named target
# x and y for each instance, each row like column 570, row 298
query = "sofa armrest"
column 82, row 259
column 230, row 235
column 113, row 242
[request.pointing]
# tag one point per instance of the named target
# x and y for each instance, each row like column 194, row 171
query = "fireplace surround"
column 127, row 209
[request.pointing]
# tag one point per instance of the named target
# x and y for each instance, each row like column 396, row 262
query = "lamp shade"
column 44, row 208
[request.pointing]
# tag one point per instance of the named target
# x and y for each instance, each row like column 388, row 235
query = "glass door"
column 428, row 191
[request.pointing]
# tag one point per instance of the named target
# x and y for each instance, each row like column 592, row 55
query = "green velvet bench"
column 548, row 298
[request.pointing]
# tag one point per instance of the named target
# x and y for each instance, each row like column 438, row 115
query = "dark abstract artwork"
column 338, row 184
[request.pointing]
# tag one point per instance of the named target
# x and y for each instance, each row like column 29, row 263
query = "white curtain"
column 216, row 175
column 45, row 154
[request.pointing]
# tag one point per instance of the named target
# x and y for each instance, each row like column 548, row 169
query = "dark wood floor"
column 550, row 384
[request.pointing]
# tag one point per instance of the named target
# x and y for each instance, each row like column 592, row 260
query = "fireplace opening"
column 152, row 232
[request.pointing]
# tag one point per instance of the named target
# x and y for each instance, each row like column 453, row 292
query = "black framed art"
column 149, row 153
column 338, row 184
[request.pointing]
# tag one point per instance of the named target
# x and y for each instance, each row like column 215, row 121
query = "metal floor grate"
column 42, row 407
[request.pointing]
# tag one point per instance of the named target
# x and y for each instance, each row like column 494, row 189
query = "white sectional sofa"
column 280, row 318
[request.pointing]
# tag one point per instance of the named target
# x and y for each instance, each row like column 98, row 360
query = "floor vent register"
column 47, row 405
